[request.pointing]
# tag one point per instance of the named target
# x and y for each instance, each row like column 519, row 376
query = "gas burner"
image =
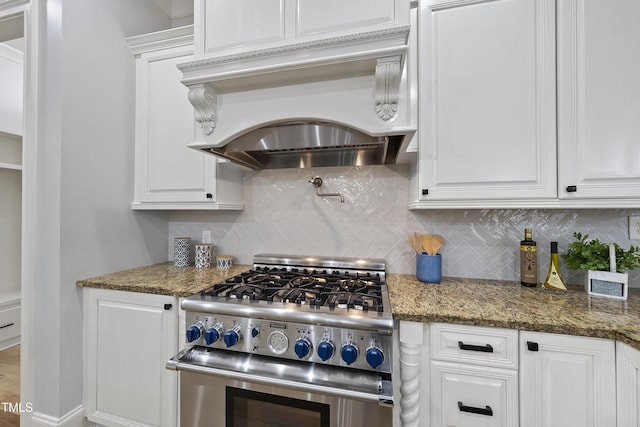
column 307, row 281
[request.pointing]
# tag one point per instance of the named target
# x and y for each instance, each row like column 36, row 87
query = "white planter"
column 607, row 284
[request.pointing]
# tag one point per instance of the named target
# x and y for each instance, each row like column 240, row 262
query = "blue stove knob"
column 374, row 357
column 231, row 338
column 325, row 350
column 349, row 353
column 211, row 336
column 302, row 348
column 193, row 333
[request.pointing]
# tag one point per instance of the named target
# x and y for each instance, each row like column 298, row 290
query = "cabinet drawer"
column 9, row 323
column 467, row 396
column 493, row 347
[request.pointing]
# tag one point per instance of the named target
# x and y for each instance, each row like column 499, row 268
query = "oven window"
column 247, row 408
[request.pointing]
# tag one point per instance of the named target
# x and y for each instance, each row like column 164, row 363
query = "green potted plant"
column 606, row 265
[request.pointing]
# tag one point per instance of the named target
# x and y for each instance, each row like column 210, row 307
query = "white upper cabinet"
column 599, row 99
column 488, row 85
column 487, row 100
column 249, row 24
column 168, row 174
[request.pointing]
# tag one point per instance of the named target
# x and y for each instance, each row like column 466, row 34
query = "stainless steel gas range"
column 296, row 340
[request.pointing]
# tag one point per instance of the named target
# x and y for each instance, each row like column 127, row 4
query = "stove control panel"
column 312, row 343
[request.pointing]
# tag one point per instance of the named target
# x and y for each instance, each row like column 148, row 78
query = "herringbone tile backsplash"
column 283, row 215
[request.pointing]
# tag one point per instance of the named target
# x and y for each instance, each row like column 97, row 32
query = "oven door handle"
column 384, row 399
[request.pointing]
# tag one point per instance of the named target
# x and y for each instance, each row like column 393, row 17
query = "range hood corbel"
column 388, row 74
column 205, row 103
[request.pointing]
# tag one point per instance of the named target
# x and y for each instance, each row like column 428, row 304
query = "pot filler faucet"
column 317, row 183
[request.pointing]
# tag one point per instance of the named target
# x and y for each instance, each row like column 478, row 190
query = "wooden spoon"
column 415, row 244
column 436, row 243
column 426, row 243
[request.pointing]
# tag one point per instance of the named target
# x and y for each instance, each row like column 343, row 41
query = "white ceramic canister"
column 224, row 261
column 181, row 251
column 203, row 255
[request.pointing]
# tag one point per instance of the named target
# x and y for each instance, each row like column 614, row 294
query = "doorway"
column 11, row 133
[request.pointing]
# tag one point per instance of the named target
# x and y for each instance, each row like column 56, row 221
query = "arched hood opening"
column 305, row 144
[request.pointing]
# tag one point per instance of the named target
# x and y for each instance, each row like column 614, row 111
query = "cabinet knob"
column 425, row 191
column 532, row 346
column 167, row 306
column 572, row 188
column 209, row 196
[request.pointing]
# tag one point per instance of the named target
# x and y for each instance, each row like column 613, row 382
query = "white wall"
column 85, row 225
column 283, row 215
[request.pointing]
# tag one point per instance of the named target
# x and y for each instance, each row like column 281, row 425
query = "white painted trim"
column 11, row 166
column 11, row 53
column 526, row 204
column 73, row 418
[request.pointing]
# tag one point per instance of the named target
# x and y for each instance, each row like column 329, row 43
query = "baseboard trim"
column 73, row 418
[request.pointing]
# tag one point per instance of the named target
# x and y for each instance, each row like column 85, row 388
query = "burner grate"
column 317, row 288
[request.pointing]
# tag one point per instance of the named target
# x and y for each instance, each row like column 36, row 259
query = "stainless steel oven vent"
column 309, row 144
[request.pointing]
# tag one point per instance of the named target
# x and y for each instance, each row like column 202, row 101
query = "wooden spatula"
column 436, row 243
column 415, row 243
column 426, row 240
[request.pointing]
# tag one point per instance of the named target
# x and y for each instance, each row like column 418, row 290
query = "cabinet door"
column 567, row 381
column 167, row 171
column 487, row 100
column 599, row 98
column 129, row 337
column 228, row 25
column 254, row 24
column 468, row 396
column 628, row 372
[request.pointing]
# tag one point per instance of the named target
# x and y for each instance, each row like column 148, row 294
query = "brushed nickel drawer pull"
column 484, row 348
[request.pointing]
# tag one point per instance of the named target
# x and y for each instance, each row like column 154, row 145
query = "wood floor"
column 9, row 385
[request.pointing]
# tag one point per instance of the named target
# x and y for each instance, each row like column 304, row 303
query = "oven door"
column 227, row 389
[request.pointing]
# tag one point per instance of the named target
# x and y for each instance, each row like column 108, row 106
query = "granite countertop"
column 493, row 303
column 163, row 279
column 507, row 304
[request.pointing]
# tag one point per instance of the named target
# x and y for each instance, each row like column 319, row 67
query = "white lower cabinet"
column 467, row 395
column 628, row 375
column 474, row 376
column 482, row 376
column 567, row 381
column 128, row 338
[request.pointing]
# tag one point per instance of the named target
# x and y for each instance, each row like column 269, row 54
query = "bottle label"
column 554, row 281
column 529, row 264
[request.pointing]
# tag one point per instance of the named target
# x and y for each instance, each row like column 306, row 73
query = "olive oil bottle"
column 528, row 260
column 554, row 280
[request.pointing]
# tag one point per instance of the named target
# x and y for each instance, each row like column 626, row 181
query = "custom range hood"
column 340, row 101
